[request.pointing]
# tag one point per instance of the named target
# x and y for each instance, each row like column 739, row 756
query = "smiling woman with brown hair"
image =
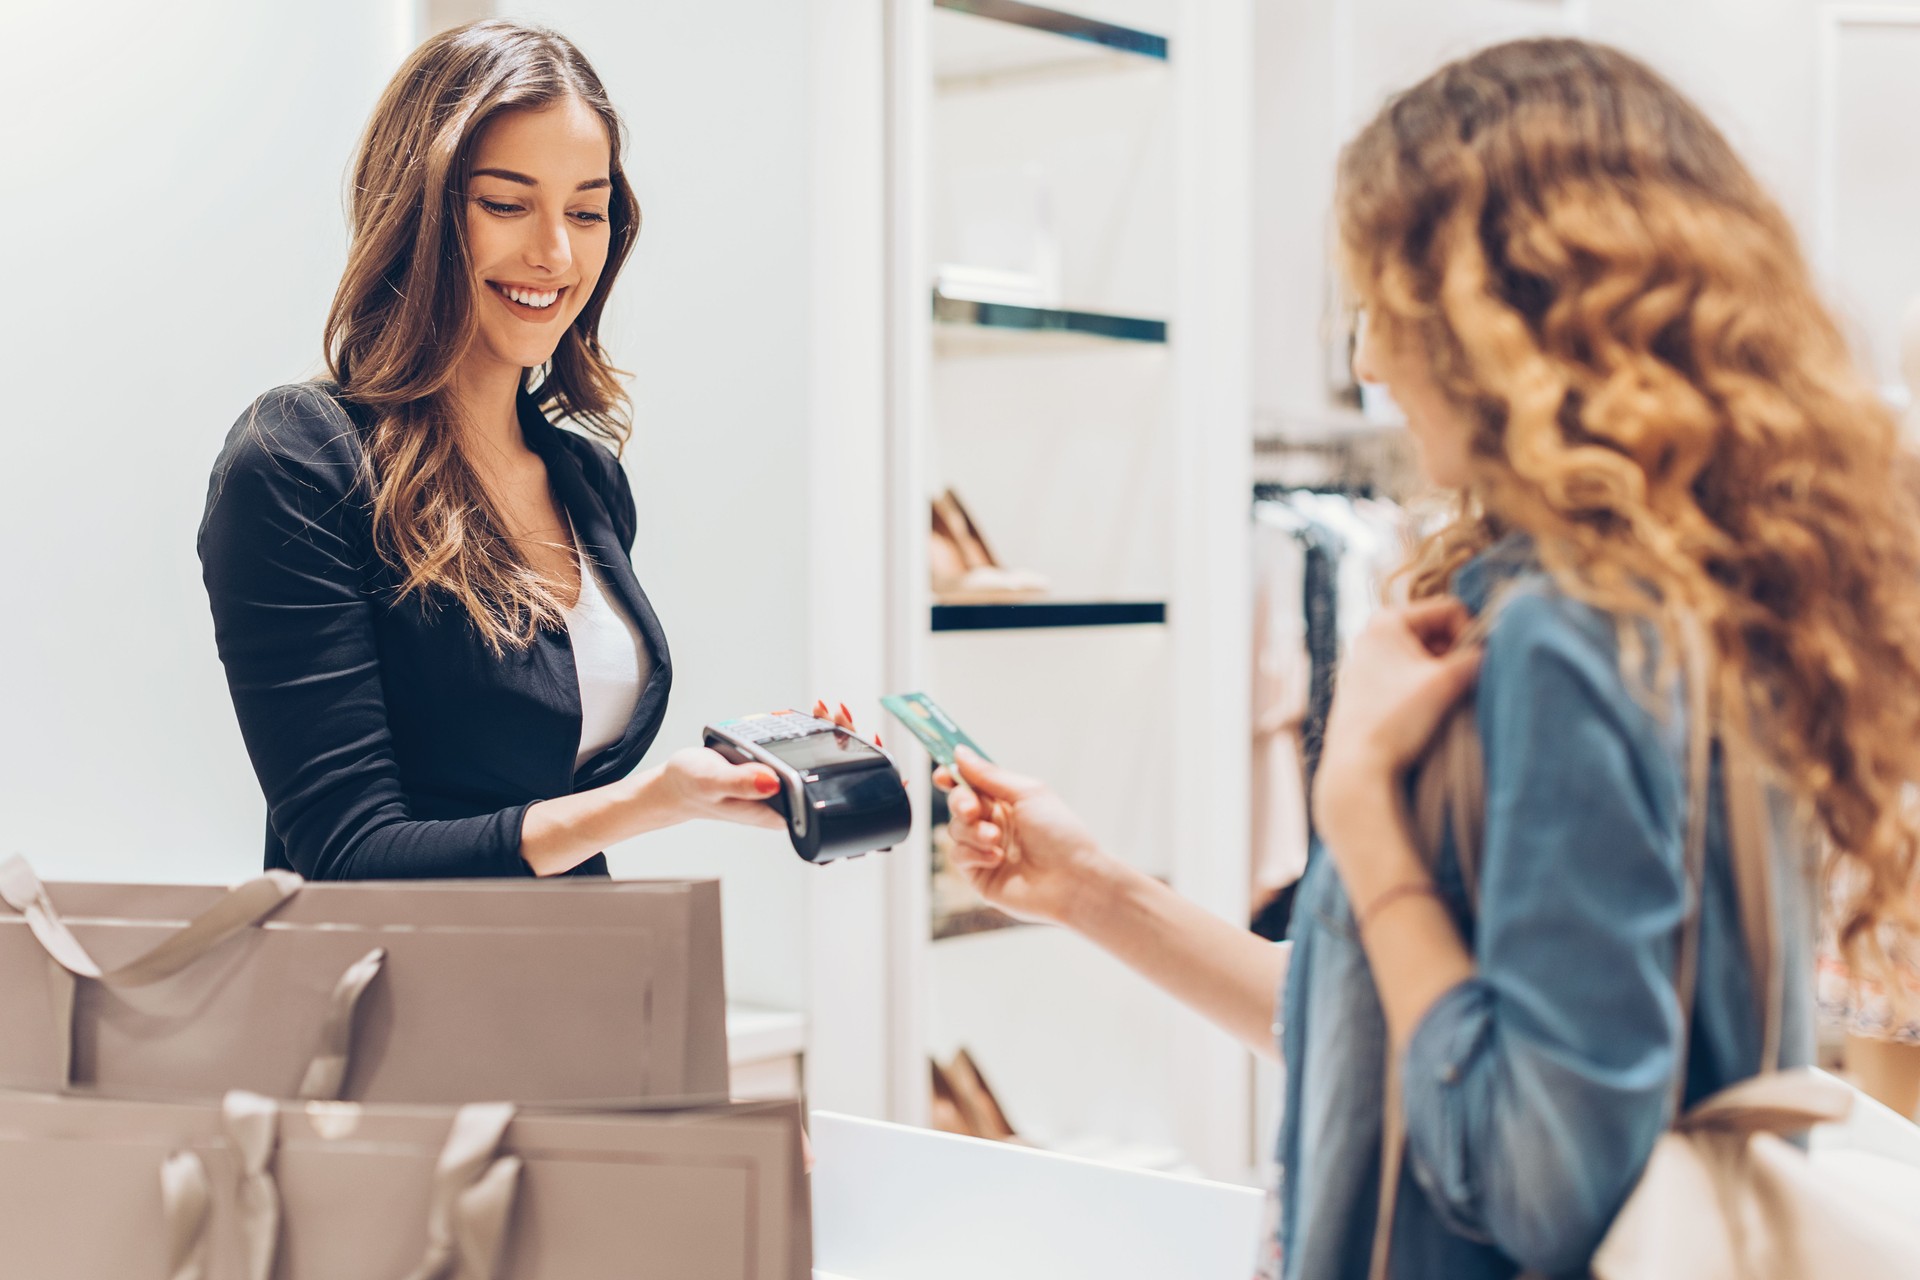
column 421, row 581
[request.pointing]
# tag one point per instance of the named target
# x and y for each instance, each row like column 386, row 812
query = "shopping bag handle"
column 253, row 1134
column 186, row 1202
column 474, row 1190
column 237, row 910
column 326, row 1074
column 1791, row 1101
column 473, row 1195
column 240, row 908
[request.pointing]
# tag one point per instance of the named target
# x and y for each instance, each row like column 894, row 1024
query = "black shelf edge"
column 1007, row 316
column 971, row 921
column 980, row 919
column 1058, row 22
column 1019, row 617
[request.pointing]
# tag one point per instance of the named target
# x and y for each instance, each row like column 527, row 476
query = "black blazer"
column 389, row 741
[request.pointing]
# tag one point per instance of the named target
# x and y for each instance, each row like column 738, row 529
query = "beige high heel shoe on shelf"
column 977, row 1102
column 945, row 1114
column 963, row 1104
column 964, row 569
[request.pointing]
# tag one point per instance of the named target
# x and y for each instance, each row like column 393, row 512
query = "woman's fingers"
column 984, row 834
column 968, row 811
column 984, row 831
column 980, row 875
column 990, row 780
column 751, row 813
column 967, row 844
column 840, row 715
column 748, row 782
column 972, row 857
column 969, row 831
column 1436, row 621
column 1455, row 673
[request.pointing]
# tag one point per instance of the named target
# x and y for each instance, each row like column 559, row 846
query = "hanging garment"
column 1321, row 603
column 1282, row 678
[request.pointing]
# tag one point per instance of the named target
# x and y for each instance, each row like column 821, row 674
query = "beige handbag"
column 1724, row 1195
column 249, row 1189
column 429, row 992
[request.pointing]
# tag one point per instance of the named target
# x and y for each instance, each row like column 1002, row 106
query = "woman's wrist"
column 1353, row 794
column 1361, row 814
column 649, row 801
column 557, row 835
column 1102, row 891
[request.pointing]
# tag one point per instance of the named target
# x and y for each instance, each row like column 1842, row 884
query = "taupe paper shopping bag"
column 252, row 1190
column 409, row 992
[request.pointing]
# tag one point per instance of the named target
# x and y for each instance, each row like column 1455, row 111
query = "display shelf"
column 755, row 1034
column 1276, row 430
column 967, row 326
column 980, row 919
column 984, row 43
column 1048, row 614
column 1144, row 166
column 1073, row 26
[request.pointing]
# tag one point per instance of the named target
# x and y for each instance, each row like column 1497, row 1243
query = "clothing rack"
column 1342, row 453
column 1270, row 490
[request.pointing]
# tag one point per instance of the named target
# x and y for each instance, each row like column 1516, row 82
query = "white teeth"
column 530, row 299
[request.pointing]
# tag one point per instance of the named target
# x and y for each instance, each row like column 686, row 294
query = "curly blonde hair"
column 1658, row 397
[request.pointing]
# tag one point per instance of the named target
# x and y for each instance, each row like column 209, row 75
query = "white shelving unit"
column 1099, row 436
column 766, row 1051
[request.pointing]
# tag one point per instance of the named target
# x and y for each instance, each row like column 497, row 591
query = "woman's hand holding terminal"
column 696, row 783
column 701, row 783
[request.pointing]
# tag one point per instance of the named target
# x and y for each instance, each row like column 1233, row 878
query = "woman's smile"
column 536, row 305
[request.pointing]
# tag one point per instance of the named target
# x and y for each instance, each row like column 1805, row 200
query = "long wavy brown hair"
column 1660, row 399
column 403, row 317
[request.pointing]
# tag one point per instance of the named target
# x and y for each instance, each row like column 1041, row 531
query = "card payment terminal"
column 841, row 796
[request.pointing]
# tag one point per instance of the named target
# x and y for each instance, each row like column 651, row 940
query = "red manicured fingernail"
column 843, row 711
column 765, row 785
column 877, row 742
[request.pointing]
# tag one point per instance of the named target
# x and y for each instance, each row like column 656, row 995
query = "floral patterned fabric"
column 1867, row 1009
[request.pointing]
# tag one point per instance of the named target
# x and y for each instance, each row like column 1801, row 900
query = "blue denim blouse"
column 1534, row 1090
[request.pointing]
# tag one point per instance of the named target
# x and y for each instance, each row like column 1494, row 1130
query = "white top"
column 610, row 658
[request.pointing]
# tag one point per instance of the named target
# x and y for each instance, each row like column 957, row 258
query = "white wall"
column 174, row 216
column 1755, row 66
column 1866, row 190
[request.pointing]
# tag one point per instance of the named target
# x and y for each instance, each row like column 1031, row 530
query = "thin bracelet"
column 1423, row 889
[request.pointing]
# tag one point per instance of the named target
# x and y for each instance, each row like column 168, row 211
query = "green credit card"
column 934, row 727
